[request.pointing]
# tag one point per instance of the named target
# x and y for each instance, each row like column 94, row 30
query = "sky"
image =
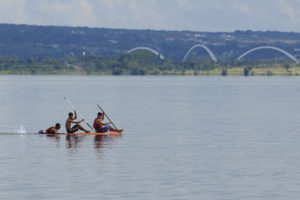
column 196, row 15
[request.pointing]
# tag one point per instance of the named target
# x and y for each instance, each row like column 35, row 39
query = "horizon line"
column 145, row 29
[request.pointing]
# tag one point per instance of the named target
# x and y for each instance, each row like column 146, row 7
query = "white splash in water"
column 21, row 129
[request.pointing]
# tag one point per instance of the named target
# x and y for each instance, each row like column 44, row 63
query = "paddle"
column 78, row 113
column 107, row 117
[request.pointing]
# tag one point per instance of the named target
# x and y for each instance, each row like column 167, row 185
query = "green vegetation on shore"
column 27, row 49
column 27, row 41
column 144, row 63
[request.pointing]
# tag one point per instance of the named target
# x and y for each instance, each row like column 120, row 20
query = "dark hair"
column 57, row 125
column 100, row 113
column 70, row 113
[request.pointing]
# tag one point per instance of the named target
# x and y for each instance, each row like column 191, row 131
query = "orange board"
column 108, row 133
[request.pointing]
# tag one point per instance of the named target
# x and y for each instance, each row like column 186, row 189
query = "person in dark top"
column 53, row 129
column 101, row 127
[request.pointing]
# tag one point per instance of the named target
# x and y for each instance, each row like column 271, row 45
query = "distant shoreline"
column 144, row 63
column 232, row 71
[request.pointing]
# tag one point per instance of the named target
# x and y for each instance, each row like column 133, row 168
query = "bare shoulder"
column 68, row 121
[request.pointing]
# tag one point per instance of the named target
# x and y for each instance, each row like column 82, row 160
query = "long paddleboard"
column 108, row 133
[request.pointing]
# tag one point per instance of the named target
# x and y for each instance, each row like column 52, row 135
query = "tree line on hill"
column 28, row 41
column 137, row 63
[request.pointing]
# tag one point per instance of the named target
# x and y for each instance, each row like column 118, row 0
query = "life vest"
column 97, row 124
column 49, row 131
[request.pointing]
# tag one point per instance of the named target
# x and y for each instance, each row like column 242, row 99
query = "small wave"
column 21, row 130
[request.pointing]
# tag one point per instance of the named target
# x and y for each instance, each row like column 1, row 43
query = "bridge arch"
column 147, row 49
column 211, row 54
column 269, row 47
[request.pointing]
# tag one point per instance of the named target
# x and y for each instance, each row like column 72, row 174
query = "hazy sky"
column 198, row 15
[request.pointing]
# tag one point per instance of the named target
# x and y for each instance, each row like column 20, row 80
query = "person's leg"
column 115, row 130
column 99, row 130
column 73, row 129
column 83, row 129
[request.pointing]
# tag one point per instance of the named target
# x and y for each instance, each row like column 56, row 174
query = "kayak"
column 107, row 133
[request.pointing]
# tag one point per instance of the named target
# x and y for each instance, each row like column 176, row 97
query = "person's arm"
column 105, row 124
column 102, row 117
column 56, row 131
column 75, row 117
column 77, row 122
column 72, row 121
column 51, row 132
column 100, row 122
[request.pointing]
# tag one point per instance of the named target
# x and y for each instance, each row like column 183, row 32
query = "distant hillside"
column 27, row 41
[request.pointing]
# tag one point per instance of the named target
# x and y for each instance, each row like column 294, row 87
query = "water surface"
column 185, row 138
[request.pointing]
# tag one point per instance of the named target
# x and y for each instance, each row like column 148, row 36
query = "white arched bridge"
column 212, row 55
column 146, row 49
column 269, row 47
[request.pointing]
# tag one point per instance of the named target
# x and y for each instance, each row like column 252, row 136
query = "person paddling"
column 77, row 125
column 53, row 129
column 101, row 127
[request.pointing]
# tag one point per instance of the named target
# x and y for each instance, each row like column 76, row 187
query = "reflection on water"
column 100, row 141
column 72, row 141
column 54, row 137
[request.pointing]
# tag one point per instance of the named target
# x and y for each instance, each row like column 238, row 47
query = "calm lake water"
column 185, row 138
